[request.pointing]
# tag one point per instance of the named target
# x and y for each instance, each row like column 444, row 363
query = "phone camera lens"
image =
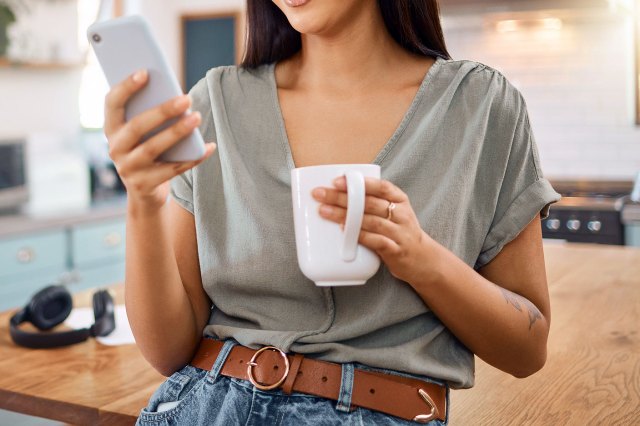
column 97, row 38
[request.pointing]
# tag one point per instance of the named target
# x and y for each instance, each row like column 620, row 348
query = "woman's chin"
column 309, row 24
column 318, row 17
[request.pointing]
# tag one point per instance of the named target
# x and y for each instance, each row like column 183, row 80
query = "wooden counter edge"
column 47, row 408
column 109, row 418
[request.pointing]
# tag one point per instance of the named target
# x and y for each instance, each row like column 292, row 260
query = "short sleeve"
column 182, row 190
column 524, row 192
column 182, row 185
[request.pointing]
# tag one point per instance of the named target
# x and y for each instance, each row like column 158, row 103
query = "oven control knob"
column 553, row 224
column 594, row 226
column 573, row 225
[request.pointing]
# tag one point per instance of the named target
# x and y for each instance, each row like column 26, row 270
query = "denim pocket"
column 181, row 387
column 371, row 417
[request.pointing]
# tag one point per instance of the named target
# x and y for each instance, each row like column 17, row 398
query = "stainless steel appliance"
column 589, row 212
column 14, row 190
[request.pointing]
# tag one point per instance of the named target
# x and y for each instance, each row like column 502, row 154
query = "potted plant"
column 7, row 17
column 9, row 11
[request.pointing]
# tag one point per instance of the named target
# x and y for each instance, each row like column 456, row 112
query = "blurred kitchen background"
column 576, row 62
column 62, row 206
column 62, row 203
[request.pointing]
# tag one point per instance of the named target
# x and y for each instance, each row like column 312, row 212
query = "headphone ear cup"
column 99, row 303
column 49, row 307
column 103, row 311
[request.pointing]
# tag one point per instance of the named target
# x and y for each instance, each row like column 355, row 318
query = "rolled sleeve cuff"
column 184, row 203
column 535, row 199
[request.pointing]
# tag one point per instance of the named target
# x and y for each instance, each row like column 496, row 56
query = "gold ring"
column 390, row 209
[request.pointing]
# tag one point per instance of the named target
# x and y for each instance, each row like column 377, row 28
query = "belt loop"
column 346, row 388
column 287, row 386
column 221, row 359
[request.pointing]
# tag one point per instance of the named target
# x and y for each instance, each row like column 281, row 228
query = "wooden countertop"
column 592, row 374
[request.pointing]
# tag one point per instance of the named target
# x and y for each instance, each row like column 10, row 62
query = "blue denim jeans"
column 209, row 398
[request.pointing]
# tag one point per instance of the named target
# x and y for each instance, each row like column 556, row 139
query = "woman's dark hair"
column 414, row 24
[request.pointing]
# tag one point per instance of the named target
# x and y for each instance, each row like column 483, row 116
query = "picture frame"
column 197, row 34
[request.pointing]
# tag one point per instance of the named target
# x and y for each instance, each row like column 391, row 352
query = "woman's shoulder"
column 469, row 78
column 232, row 76
column 478, row 90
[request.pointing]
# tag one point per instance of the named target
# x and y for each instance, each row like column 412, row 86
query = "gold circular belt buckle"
column 253, row 363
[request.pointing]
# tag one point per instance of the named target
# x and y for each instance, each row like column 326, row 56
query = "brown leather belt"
column 270, row 368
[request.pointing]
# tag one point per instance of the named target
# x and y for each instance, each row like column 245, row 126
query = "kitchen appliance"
column 589, row 212
column 631, row 216
column 14, row 190
column 105, row 183
column 631, row 221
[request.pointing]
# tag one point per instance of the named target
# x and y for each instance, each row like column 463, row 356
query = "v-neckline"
column 382, row 154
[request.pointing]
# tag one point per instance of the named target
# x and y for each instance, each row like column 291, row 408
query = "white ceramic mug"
column 328, row 255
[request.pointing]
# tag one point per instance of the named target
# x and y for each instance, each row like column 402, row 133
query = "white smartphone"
column 126, row 45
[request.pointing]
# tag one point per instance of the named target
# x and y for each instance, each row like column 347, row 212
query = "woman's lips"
column 296, row 3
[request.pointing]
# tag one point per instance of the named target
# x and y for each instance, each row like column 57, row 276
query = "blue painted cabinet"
column 632, row 234
column 30, row 262
column 98, row 253
column 80, row 256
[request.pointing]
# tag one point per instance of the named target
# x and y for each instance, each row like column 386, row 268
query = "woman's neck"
column 359, row 54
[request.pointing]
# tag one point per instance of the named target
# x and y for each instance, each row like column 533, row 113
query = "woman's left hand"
column 389, row 227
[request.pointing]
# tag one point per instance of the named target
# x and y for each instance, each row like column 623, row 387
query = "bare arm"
column 501, row 313
column 166, row 305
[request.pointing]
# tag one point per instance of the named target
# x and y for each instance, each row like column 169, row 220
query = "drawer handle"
column 26, row 255
column 69, row 277
column 112, row 239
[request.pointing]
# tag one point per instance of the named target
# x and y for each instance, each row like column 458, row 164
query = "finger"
column 330, row 196
column 118, row 97
column 161, row 172
column 142, row 124
column 378, row 225
column 333, row 213
column 148, row 151
column 370, row 223
column 372, row 205
column 382, row 245
column 379, row 188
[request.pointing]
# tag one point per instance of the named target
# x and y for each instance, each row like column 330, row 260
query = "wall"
column 165, row 20
column 577, row 81
column 36, row 100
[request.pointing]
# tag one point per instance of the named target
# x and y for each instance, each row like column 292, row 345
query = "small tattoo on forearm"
column 516, row 301
column 534, row 313
column 511, row 299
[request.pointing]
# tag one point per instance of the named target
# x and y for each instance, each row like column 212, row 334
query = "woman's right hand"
column 146, row 179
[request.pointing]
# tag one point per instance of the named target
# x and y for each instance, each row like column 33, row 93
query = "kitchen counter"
column 18, row 224
column 591, row 376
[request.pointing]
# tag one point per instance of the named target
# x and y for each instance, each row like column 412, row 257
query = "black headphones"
column 52, row 305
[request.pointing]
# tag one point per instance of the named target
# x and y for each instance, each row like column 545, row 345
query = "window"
column 94, row 86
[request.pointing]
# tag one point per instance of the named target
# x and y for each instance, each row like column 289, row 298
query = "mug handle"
column 355, row 214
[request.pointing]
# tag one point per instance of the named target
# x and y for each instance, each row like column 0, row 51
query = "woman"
column 455, row 220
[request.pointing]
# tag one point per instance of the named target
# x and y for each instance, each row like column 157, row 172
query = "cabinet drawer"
column 30, row 253
column 632, row 235
column 16, row 290
column 98, row 276
column 98, row 243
